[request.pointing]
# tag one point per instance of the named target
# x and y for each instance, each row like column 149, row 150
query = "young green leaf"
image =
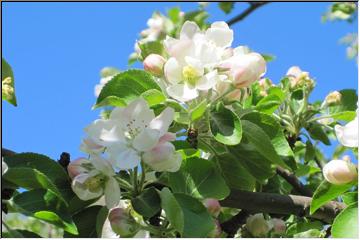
column 153, row 97
column 327, row 192
column 350, row 197
column 225, row 126
column 317, row 132
column 226, row 6
column 346, row 223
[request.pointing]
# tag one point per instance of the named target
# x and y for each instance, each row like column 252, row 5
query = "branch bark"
column 241, row 16
column 295, row 183
column 258, row 202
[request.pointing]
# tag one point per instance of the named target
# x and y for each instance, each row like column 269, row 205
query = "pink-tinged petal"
column 146, row 140
column 163, row 121
column 112, row 193
column 163, row 158
column 167, row 137
column 173, row 71
column 188, row 30
column 220, row 34
column 75, row 167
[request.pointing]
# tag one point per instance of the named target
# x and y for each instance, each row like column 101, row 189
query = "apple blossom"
column 122, row 223
column 213, row 206
column 348, row 135
column 299, row 78
column 156, row 26
column 333, row 98
column 154, row 64
column 89, row 146
column 278, row 225
column 257, row 225
column 339, row 172
column 93, row 178
column 193, row 57
column 132, row 132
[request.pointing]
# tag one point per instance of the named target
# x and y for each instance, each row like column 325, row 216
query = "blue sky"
column 57, row 50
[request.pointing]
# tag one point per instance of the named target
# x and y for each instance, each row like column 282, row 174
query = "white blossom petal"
column 146, row 140
column 123, row 157
column 220, row 34
column 188, row 30
column 208, row 81
column 80, row 189
column 102, row 165
column 348, row 135
column 182, row 92
column 163, row 121
column 173, row 71
column 112, row 193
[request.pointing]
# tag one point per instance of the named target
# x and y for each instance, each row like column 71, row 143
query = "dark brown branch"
column 295, row 183
column 258, row 202
column 232, row 225
column 241, row 16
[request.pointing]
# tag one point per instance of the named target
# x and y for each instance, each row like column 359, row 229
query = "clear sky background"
column 57, row 50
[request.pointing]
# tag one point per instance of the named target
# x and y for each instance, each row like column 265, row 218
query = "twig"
column 256, row 202
column 232, row 225
column 241, row 16
column 295, row 183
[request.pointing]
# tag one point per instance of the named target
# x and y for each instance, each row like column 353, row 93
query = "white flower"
column 4, row 166
column 94, row 178
column 133, row 131
column 156, row 26
column 339, row 172
column 257, row 225
column 194, row 56
column 348, row 135
column 122, row 223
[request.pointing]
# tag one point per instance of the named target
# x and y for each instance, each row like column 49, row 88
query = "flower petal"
column 80, row 189
column 173, row 71
column 220, row 34
column 112, row 193
column 348, row 134
column 146, row 140
column 188, row 30
column 208, row 81
column 163, row 121
column 102, row 165
column 182, row 92
column 105, row 132
column 123, row 157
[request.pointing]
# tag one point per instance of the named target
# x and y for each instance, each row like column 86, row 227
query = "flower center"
column 190, row 75
column 95, row 183
column 133, row 130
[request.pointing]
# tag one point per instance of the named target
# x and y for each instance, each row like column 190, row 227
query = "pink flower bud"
column 154, row 64
column 75, row 167
column 122, row 223
column 213, row 206
column 279, row 226
column 339, row 172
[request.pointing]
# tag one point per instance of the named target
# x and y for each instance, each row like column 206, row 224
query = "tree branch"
column 295, row 183
column 258, row 202
column 241, row 16
column 232, row 225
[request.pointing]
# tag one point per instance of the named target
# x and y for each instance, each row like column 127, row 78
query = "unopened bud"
column 279, row 226
column 257, row 225
column 213, row 206
column 75, row 167
column 122, row 223
column 339, row 172
column 154, row 64
column 333, row 98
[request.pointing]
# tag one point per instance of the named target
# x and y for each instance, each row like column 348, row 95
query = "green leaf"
column 86, row 223
column 225, row 126
column 344, row 116
column 258, row 166
column 198, row 111
column 112, row 101
column 100, row 220
column 128, row 86
column 147, row 203
column 302, row 228
column 31, row 179
column 197, row 220
column 153, row 97
column 174, row 14
column 152, row 47
column 172, row 209
column 45, row 205
column 199, row 178
column 317, row 132
column 261, row 142
column 350, row 198
column 7, row 83
column 227, row 7
column 268, row 57
column 312, row 233
column 234, row 173
column 327, row 192
column 309, row 152
column 346, row 224
column 269, row 104
column 53, row 171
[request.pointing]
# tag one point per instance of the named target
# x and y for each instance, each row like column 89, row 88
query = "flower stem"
column 135, row 180
column 142, row 180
